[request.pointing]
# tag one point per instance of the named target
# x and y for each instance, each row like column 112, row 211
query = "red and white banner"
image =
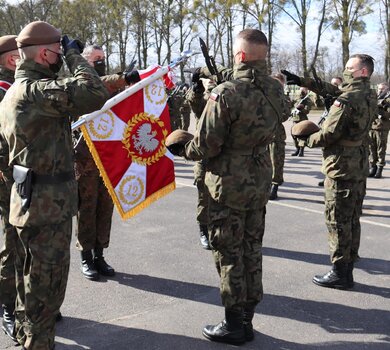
column 128, row 145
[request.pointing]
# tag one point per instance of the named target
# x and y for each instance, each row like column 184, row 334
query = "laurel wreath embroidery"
column 122, row 188
column 159, row 102
column 137, row 158
column 93, row 131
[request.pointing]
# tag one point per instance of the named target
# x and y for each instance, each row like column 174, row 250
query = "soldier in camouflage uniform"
column 197, row 100
column 35, row 119
column 237, row 124
column 379, row 132
column 300, row 111
column 345, row 166
column 8, row 56
column 277, row 147
column 95, row 205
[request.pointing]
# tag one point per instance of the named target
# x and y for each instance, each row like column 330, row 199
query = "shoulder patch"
column 338, row 104
column 214, row 96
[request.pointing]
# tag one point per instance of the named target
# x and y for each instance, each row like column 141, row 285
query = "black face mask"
column 100, row 67
column 56, row 67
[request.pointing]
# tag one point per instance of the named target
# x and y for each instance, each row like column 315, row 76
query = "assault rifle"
column 210, row 62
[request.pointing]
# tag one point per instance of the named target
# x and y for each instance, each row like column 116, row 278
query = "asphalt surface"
column 166, row 286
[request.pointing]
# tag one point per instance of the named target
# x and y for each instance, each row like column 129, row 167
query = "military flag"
column 127, row 142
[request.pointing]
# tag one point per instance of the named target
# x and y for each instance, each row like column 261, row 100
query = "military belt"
column 246, row 152
column 53, row 179
column 349, row 143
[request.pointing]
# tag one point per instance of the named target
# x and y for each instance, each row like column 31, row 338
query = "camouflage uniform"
column 179, row 112
column 36, row 127
column 299, row 115
column 95, row 204
column 345, row 166
column 236, row 126
column 379, row 133
column 7, row 253
column 277, row 149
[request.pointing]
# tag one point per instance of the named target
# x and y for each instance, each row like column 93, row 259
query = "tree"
column 385, row 21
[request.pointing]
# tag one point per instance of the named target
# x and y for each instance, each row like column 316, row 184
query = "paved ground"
column 166, row 287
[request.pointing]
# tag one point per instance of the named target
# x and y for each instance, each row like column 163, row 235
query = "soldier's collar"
column 249, row 69
column 8, row 74
column 33, row 70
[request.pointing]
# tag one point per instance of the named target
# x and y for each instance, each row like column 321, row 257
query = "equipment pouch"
column 23, row 179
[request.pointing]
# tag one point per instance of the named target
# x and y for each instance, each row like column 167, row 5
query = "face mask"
column 55, row 67
column 347, row 76
column 100, row 67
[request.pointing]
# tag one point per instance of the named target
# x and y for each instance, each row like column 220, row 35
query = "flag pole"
column 185, row 55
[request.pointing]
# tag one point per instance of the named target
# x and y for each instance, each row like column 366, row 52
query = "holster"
column 23, row 180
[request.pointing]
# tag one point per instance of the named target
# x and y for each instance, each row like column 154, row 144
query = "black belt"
column 53, row 179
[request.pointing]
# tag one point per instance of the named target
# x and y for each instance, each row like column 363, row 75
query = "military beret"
column 304, row 128
column 178, row 137
column 7, row 43
column 38, row 33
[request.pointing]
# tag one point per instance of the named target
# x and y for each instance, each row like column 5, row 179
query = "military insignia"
column 214, row 96
column 103, row 126
column 131, row 190
column 337, row 103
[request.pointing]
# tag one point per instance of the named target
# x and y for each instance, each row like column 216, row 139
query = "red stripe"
column 5, row 85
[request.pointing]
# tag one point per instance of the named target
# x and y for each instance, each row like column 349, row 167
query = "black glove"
column 132, row 77
column 68, row 44
column 291, row 78
column 177, row 149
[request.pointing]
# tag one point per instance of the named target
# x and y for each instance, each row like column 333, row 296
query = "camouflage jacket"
column 197, row 102
column 344, row 131
column 382, row 120
column 321, row 88
column 299, row 115
column 8, row 76
column 237, row 124
column 114, row 84
column 35, row 118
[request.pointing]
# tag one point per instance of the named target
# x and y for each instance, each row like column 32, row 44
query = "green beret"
column 38, row 33
column 7, row 43
column 304, row 128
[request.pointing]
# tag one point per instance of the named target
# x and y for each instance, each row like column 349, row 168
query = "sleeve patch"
column 338, row 104
column 214, row 96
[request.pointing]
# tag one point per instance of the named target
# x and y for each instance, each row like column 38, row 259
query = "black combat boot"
column 204, row 237
column 249, row 312
column 335, row 278
column 378, row 173
column 230, row 330
column 301, row 152
column 350, row 275
column 8, row 325
column 274, row 192
column 101, row 266
column 87, row 266
column 372, row 171
column 296, row 152
column 321, row 183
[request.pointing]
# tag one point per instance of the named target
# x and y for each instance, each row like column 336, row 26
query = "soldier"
column 8, row 56
column 346, row 168
column 379, row 132
column 35, row 118
column 197, row 100
column 95, row 205
column 277, row 147
column 185, row 110
column 301, row 109
column 236, row 126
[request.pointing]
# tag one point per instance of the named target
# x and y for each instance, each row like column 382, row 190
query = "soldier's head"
column 94, row 55
column 383, row 89
column 336, row 81
column 280, row 77
column 40, row 42
column 250, row 45
column 360, row 65
column 9, row 53
column 303, row 91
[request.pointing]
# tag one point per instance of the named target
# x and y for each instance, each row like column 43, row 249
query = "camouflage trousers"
column 377, row 146
column 277, row 151
column 203, row 193
column 343, row 208
column 7, row 252
column 42, row 267
column 95, row 212
column 236, row 238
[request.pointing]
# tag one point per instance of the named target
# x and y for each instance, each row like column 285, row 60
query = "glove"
column 132, row 77
column 291, row 78
column 68, row 44
column 300, row 107
column 177, row 149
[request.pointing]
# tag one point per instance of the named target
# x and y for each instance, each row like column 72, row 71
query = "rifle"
column 210, row 62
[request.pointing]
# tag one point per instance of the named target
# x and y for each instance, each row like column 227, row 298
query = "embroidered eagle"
column 145, row 140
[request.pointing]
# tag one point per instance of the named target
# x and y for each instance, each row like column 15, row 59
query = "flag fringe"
column 148, row 201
